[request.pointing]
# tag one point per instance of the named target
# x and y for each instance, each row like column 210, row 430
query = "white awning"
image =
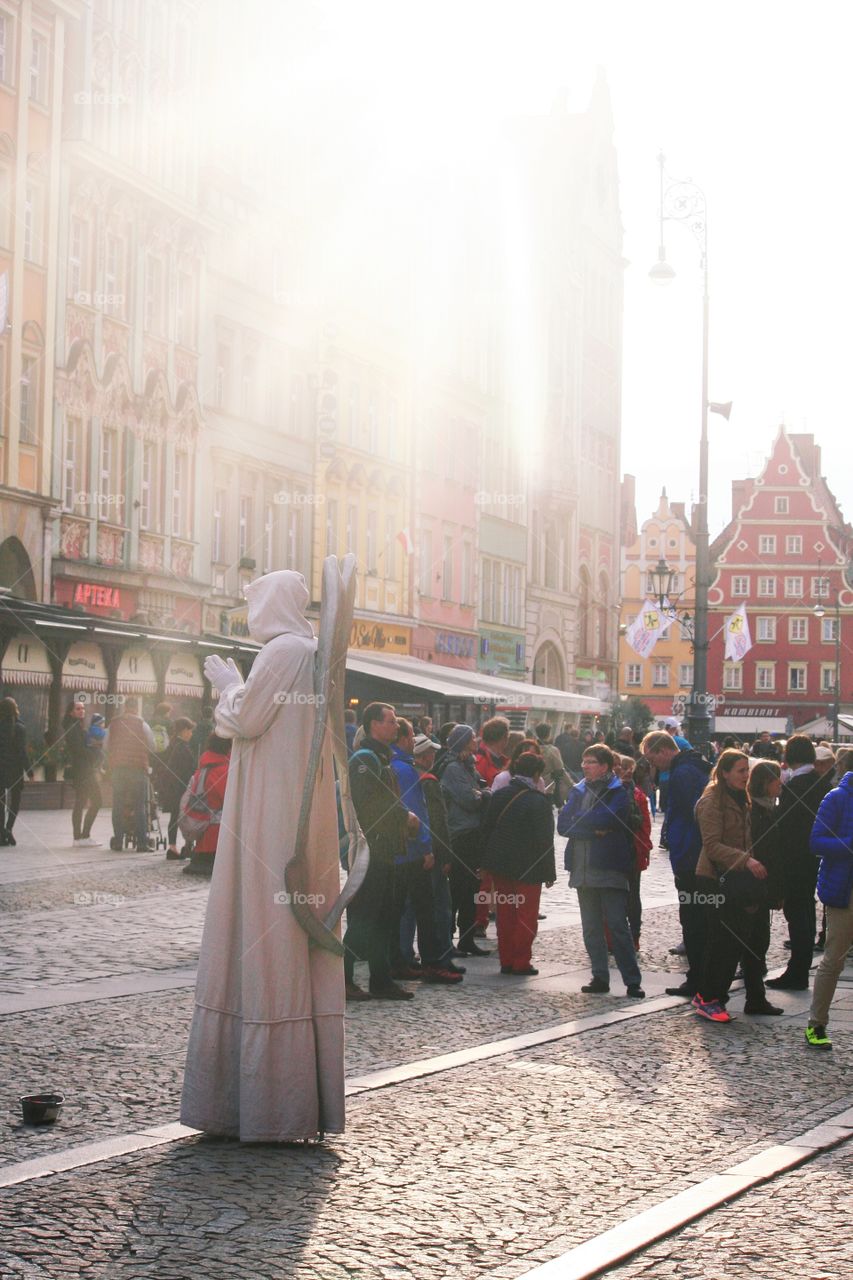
column 84, row 667
column 136, row 672
column 25, row 662
column 471, row 686
column 749, row 724
column 183, row 678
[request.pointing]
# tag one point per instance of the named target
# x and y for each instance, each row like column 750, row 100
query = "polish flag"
column 405, row 540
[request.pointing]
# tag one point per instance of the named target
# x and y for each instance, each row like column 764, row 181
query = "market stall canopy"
column 84, row 667
column 26, row 662
column 471, row 686
column 136, row 672
column 750, row 724
column 183, row 677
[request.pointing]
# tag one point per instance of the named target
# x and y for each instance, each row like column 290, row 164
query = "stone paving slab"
column 495, row 1165
column 797, row 1225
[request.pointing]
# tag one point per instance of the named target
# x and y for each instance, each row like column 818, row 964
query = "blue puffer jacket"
column 688, row 777
column 832, row 842
column 412, row 796
column 605, row 825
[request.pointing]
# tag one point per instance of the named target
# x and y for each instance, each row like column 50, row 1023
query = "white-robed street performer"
column 266, row 1052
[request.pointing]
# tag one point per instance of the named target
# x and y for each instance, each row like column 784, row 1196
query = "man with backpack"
column 387, row 825
column 129, row 744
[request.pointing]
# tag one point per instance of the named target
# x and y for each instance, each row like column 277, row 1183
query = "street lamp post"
column 820, row 612
column 685, row 202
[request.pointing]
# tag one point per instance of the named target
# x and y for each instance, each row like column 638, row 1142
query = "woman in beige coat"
column 730, row 882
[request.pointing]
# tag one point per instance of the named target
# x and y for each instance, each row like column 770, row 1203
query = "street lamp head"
column 819, row 611
column 661, row 577
column 662, row 272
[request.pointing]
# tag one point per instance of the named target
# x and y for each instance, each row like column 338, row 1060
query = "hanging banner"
column 738, row 639
column 643, row 633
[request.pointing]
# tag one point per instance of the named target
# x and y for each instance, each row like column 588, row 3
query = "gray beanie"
column 460, row 737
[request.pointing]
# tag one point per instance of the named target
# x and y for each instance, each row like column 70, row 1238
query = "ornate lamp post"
column 685, row 202
column 819, row 612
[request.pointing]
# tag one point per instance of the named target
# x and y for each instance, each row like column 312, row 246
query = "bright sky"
column 752, row 100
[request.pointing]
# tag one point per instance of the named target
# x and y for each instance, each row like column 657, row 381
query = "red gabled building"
column 786, row 551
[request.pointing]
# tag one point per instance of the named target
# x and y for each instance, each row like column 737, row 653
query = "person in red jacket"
column 215, row 758
column 490, row 759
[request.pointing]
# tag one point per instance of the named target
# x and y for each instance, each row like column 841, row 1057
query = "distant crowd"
column 169, row 765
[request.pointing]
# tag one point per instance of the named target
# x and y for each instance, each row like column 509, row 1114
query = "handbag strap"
column 507, row 808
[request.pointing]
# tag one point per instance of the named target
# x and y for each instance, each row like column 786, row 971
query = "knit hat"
column 423, row 742
column 824, row 753
column 460, row 737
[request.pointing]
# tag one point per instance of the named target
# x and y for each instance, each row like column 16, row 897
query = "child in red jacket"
column 214, row 759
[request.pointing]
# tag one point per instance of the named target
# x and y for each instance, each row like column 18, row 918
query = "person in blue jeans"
column 599, row 858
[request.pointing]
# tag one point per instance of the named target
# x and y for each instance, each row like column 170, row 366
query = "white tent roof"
column 470, row 686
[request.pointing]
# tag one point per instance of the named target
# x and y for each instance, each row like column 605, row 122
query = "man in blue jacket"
column 412, row 867
column 832, row 842
column 688, row 776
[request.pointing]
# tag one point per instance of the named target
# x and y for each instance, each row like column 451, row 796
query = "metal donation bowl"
column 42, row 1108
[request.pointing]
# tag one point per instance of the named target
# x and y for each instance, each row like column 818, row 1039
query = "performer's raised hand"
column 221, row 674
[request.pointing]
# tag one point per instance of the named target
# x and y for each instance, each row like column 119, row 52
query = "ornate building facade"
column 786, row 554
column 664, row 679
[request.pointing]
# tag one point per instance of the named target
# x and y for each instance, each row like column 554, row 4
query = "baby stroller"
column 155, row 831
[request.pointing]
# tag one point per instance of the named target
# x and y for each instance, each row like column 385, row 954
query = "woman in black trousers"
column 14, row 766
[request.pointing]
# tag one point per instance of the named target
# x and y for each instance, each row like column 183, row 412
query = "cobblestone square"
column 492, row 1167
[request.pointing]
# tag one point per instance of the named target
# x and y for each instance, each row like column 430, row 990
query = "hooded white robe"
column 266, row 1051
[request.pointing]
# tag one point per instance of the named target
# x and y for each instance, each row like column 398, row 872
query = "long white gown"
column 266, row 1051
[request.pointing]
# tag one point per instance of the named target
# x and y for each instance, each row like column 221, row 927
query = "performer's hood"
column 277, row 604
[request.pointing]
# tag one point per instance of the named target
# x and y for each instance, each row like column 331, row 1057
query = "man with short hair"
column 387, row 824
column 625, row 742
column 688, row 774
column 412, row 868
column 764, row 748
column 129, row 745
column 570, row 748
column 466, row 799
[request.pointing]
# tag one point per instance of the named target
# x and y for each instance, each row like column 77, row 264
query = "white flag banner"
column 643, row 633
column 738, row 639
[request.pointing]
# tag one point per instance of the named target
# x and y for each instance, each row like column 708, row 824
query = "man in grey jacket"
column 465, row 798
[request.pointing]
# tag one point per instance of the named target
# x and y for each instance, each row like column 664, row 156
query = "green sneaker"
column 816, row 1036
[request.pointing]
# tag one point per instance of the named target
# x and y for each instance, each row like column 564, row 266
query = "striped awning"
column 84, row 667
column 136, row 672
column 25, row 662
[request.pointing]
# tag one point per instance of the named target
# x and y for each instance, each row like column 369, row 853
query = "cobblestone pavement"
column 503, row 1162
column 498, row 1164
column 798, row 1225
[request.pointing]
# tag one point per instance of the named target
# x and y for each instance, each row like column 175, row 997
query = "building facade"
column 663, row 680
column 34, row 62
column 785, row 553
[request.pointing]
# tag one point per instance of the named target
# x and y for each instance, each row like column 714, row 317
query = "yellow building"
column 664, row 679
column 362, row 486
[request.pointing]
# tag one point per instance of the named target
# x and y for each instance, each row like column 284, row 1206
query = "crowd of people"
column 461, row 828
column 169, row 765
column 461, row 824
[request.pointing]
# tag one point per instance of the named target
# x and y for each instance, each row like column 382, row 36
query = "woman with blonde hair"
column 730, row 880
